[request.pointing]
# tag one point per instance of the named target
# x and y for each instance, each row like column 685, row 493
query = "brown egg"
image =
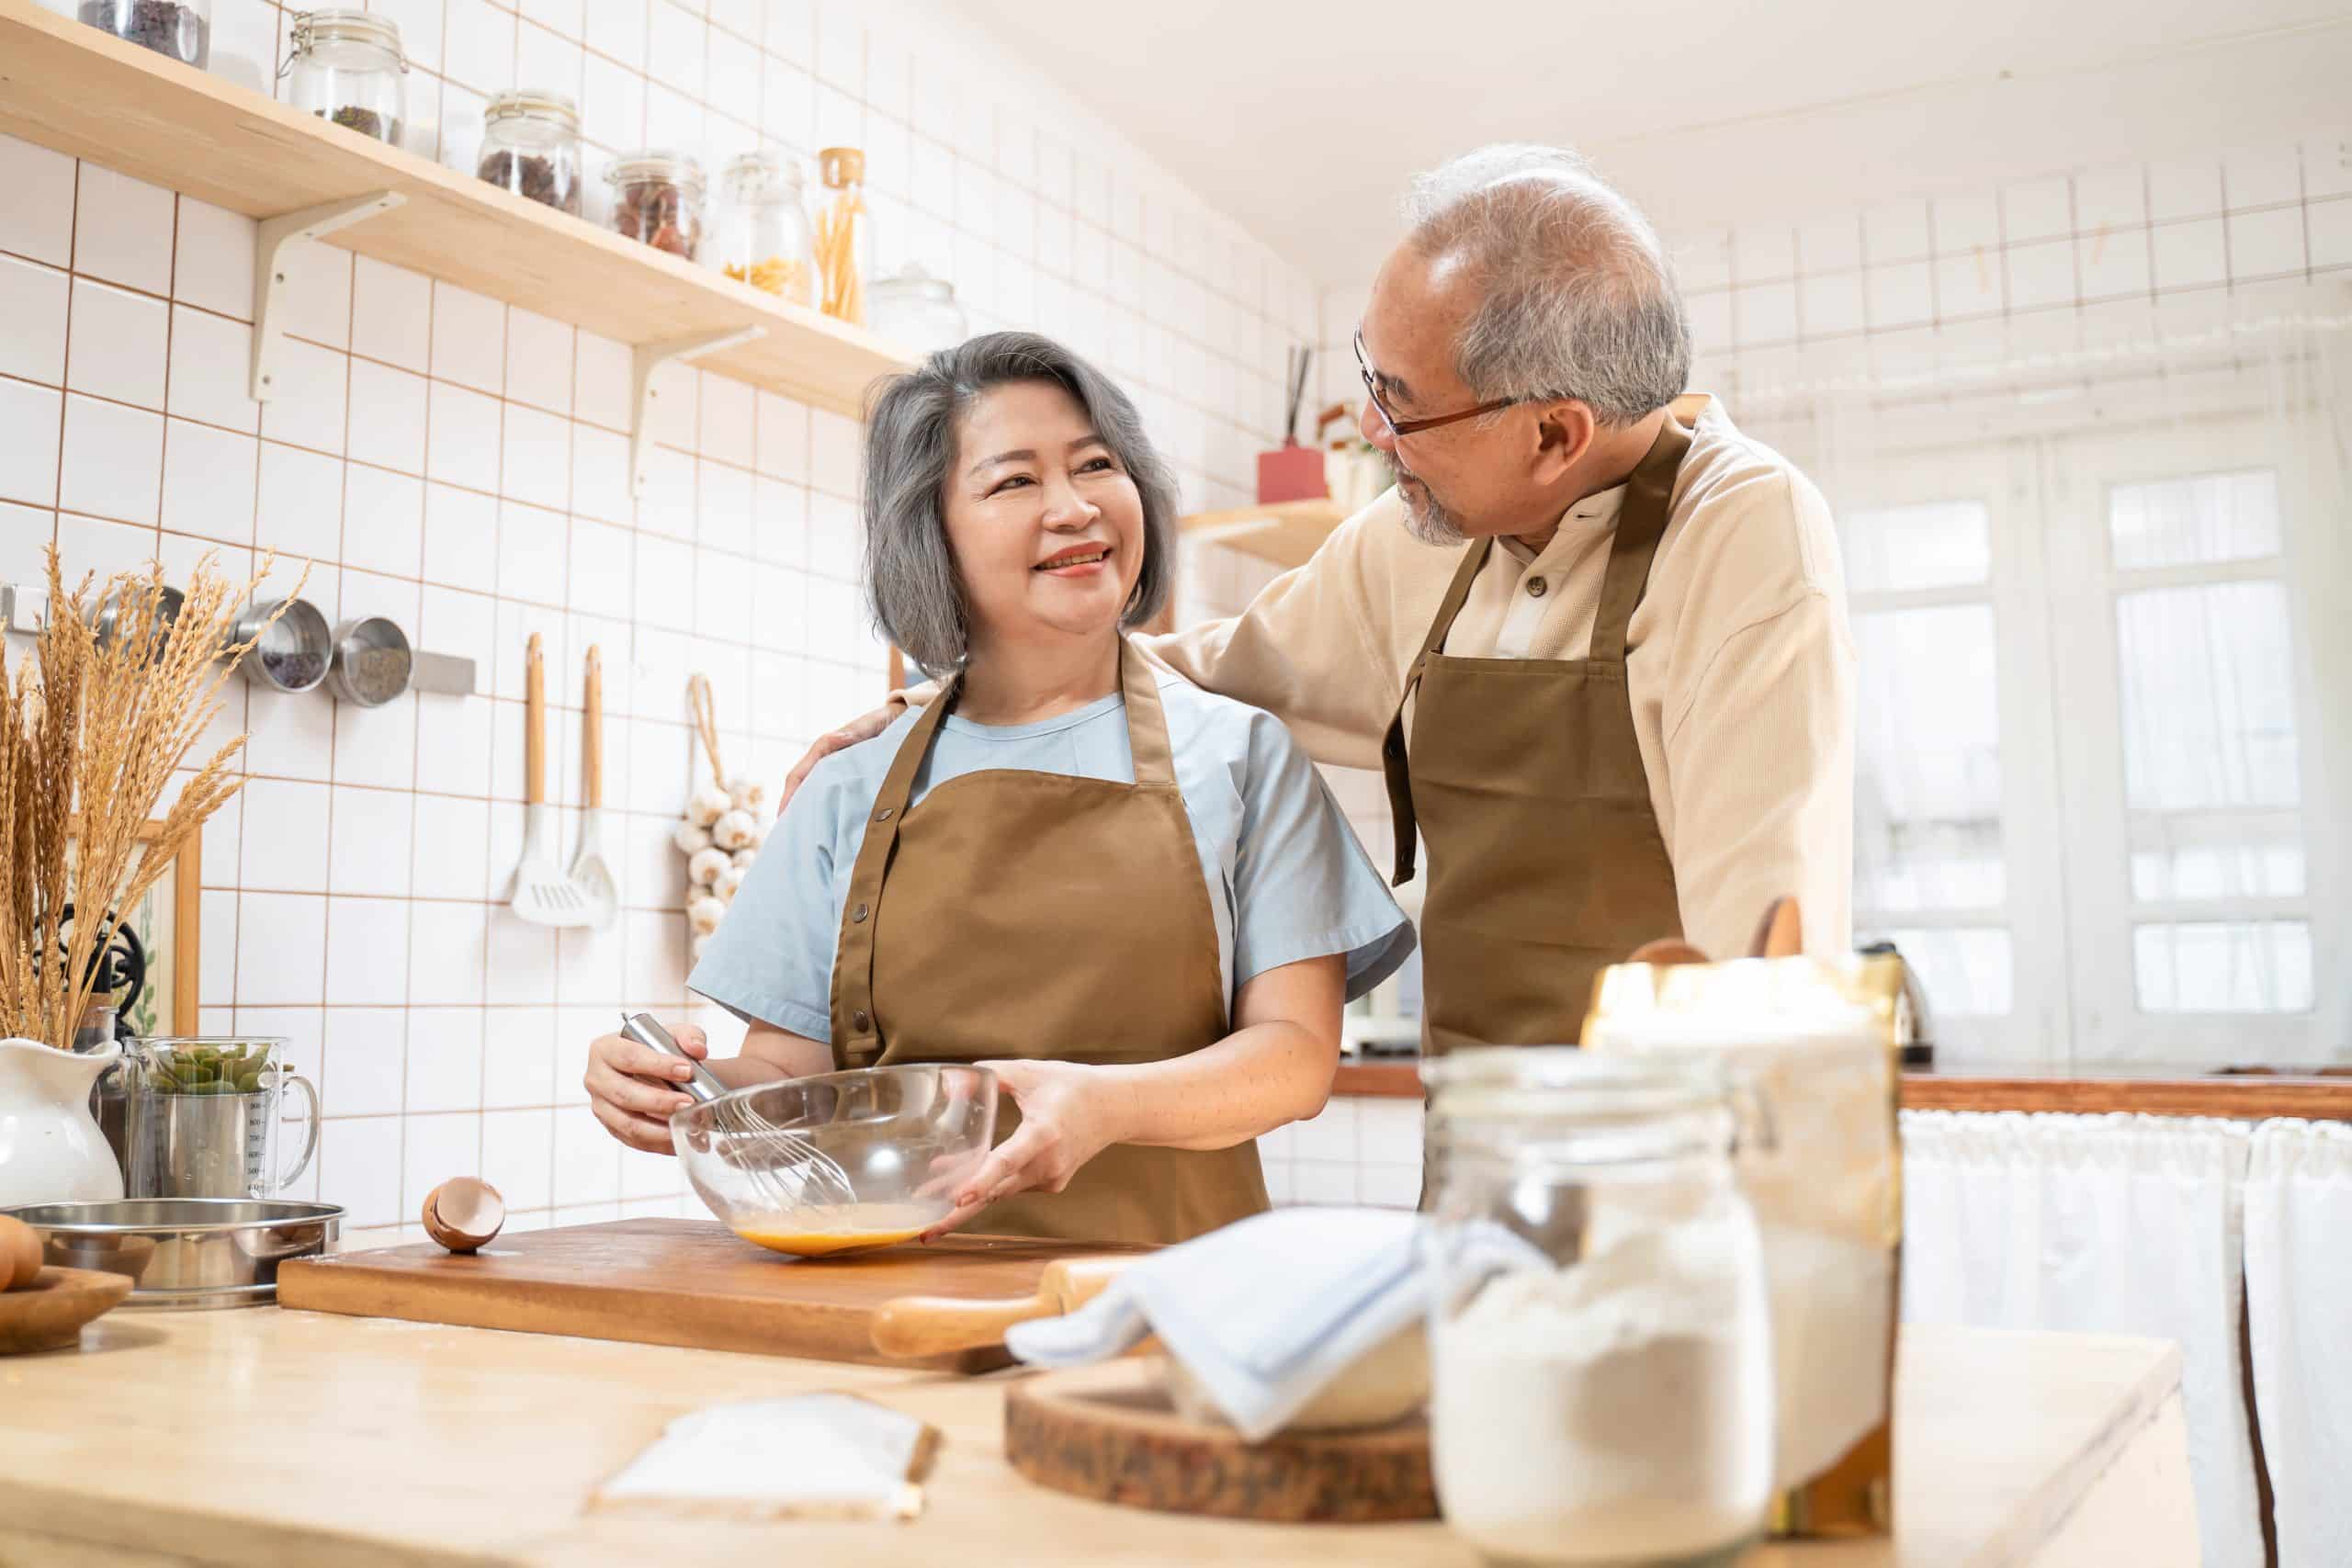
column 463, row 1215
column 19, row 1254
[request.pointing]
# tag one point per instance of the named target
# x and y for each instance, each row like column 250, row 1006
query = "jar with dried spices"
column 762, row 236
column 179, row 29
column 347, row 67
column 657, row 198
column 530, row 145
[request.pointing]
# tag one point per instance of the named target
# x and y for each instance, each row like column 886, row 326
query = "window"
column 2092, row 694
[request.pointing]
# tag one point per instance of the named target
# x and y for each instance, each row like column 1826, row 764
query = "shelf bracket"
column 648, row 358
column 271, row 243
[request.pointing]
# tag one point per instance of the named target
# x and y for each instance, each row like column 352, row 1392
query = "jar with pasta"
column 658, row 199
column 762, row 236
column 844, row 235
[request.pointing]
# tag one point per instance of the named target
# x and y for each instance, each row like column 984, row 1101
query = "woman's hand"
column 1070, row 1114
column 630, row 1087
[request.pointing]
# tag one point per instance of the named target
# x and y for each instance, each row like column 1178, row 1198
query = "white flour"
column 1617, row 1411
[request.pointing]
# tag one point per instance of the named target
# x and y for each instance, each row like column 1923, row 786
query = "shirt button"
column 857, row 915
column 858, row 1018
column 1535, row 587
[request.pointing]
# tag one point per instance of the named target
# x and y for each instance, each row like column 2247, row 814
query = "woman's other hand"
column 632, row 1089
column 1070, row 1114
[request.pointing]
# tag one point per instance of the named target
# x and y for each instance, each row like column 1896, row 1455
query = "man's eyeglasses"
column 1400, row 428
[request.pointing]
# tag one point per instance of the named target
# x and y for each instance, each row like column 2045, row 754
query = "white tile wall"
column 461, row 465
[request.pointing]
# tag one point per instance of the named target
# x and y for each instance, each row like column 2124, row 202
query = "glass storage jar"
column 530, row 145
column 180, row 29
column 657, row 198
column 347, row 67
column 762, row 236
column 915, row 311
column 1599, row 1347
column 844, row 236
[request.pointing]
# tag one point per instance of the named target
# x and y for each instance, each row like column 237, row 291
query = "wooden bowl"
column 48, row 1314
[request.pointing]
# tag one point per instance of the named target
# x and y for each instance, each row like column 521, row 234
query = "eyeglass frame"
column 1400, row 429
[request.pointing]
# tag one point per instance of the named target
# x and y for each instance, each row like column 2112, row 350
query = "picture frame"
column 167, row 923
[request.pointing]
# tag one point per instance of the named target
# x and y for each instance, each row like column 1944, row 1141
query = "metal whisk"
column 785, row 1168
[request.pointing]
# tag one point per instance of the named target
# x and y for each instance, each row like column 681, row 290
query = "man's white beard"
column 1426, row 520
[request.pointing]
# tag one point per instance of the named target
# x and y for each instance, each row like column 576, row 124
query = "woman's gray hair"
column 1578, row 296
column 912, row 584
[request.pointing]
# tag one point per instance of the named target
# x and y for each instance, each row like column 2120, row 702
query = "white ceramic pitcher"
column 51, row 1148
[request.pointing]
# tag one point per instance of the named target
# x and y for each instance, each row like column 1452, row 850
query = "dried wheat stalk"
column 90, row 735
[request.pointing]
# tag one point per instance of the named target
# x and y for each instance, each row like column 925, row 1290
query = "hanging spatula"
column 543, row 894
column 591, row 878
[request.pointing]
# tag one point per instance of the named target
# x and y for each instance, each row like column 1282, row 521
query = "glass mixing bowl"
column 840, row 1162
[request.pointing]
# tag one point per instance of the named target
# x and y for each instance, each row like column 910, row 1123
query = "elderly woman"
column 1134, row 900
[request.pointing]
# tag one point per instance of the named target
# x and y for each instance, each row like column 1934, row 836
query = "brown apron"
column 1055, row 918
column 1545, row 860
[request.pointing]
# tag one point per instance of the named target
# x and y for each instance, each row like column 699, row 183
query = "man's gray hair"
column 911, row 584
column 1576, row 299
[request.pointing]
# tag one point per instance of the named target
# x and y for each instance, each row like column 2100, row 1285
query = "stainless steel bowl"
column 371, row 661
column 184, row 1252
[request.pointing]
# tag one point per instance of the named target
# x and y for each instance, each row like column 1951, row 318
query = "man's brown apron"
column 1040, row 916
column 1546, row 863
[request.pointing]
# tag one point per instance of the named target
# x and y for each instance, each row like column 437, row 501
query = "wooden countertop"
column 266, row 1439
column 2160, row 1089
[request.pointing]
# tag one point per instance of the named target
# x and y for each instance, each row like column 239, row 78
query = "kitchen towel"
column 1266, row 1312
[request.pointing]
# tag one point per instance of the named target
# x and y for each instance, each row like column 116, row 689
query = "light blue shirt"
column 1287, row 879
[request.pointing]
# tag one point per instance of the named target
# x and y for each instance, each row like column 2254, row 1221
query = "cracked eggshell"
column 464, row 1214
column 690, row 839
column 703, row 866
column 704, row 913
column 706, row 806
column 735, row 830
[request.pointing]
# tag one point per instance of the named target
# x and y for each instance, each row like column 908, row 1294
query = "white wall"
column 460, row 466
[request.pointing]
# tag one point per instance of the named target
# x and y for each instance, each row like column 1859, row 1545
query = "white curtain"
column 2299, row 1315
column 2100, row 1225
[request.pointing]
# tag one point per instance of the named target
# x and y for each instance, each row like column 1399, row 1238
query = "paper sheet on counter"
column 810, row 1456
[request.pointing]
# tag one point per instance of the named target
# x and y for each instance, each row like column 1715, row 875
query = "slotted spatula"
column 591, row 878
column 543, row 894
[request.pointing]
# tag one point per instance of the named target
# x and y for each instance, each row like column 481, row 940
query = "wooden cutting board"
column 690, row 1282
column 1108, row 1432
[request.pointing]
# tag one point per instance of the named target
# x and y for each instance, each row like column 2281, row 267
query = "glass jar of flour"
column 1600, row 1353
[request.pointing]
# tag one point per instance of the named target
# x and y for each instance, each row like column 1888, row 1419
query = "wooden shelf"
column 1285, row 533
column 83, row 91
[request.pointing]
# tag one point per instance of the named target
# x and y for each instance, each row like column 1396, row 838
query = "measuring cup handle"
column 311, row 1133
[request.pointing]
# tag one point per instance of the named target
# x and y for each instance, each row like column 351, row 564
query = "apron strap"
column 1155, row 759
column 1641, row 524
column 855, row 1033
column 1392, row 748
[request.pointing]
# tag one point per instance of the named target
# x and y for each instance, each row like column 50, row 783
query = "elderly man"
column 1596, row 637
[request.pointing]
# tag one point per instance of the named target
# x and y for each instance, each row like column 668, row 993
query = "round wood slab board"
column 1108, row 1432
column 48, row 1314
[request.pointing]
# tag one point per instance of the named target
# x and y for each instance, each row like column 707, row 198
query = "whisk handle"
column 647, row 1030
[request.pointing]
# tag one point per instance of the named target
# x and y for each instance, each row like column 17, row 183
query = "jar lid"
column 530, row 103
column 756, row 173
column 912, row 282
column 841, row 166
column 341, row 26
column 1546, row 1080
column 656, row 163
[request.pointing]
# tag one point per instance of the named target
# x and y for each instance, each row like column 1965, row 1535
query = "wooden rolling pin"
column 938, row 1325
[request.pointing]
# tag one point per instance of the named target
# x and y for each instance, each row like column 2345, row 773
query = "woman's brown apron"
column 1055, row 918
column 1546, row 863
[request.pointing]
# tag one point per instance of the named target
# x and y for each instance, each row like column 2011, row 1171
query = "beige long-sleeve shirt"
column 1741, row 670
